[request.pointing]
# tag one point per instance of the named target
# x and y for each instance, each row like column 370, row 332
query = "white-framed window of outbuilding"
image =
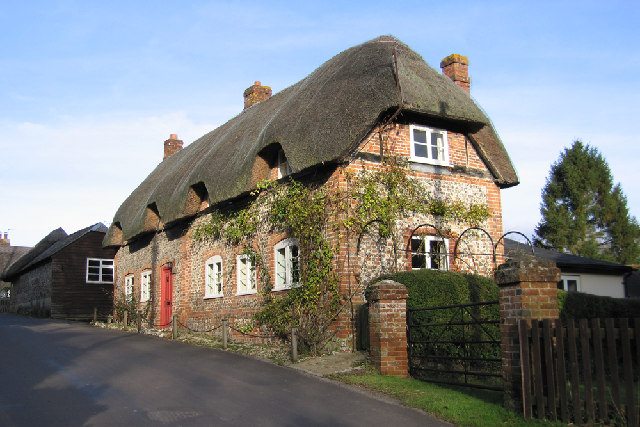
column 99, row 270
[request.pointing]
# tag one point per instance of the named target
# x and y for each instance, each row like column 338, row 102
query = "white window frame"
column 128, row 286
column 444, row 264
column 103, row 266
column 287, row 264
column 246, row 268
column 444, row 161
column 213, row 283
column 565, row 282
column 145, row 286
column 282, row 165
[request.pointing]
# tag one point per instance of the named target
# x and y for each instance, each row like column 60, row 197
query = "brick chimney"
column 256, row 93
column 4, row 239
column 172, row 145
column 456, row 67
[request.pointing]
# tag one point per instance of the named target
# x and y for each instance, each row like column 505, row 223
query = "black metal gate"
column 456, row 344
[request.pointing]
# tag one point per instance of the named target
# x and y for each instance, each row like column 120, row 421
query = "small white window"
column 429, row 145
column 570, row 283
column 213, row 277
column 283, row 165
column 99, row 270
column 246, row 274
column 429, row 252
column 128, row 286
column 287, row 264
column 145, row 286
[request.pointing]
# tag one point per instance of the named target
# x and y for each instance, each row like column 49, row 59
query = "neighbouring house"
column 579, row 274
column 8, row 255
column 64, row 276
column 370, row 103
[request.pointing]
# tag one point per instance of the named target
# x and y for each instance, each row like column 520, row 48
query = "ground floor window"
column 570, row 283
column 287, row 264
column 429, row 252
column 246, row 274
column 213, row 277
column 145, row 286
column 128, row 286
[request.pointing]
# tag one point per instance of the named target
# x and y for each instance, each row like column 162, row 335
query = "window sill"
column 213, row 296
column 246, row 293
column 426, row 161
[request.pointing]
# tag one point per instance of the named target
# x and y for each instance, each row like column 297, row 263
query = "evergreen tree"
column 583, row 213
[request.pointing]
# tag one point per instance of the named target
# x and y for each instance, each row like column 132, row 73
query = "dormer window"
column 429, row 145
column 282, row 165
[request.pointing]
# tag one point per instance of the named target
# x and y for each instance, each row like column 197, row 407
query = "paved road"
column 56, row 373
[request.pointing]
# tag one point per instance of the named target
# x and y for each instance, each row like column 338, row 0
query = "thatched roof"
column 319, row 120
column 9, row 255
column 47, row 247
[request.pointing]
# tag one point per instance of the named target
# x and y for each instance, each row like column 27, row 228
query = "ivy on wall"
column 309, row 213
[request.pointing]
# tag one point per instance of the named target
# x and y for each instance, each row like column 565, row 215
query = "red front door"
column 166, row 293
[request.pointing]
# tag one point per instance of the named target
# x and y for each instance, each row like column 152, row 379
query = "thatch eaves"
column 319, row 120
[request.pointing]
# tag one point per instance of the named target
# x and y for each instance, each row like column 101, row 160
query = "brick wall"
column 467, row 179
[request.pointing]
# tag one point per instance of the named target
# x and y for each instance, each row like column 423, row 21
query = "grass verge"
column 462, row 407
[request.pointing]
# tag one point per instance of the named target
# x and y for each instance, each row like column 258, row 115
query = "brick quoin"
column 528, row 290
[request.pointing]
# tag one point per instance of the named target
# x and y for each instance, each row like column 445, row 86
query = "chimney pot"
column 172, row 145
column 456, row 67
column 256, row 93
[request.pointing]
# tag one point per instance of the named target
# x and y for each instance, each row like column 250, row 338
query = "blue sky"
column 90, row 90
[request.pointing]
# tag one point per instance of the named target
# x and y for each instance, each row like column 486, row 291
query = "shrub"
column 434, row 287
column 578, row 305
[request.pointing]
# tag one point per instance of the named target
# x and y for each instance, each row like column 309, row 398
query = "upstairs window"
column 246, row 274
column 128, row 286
column 213, row 277
column 145, row 286
column 99, row 270
column 282, row 165
column 287, row 264
column 429, row 252
column 429, row 145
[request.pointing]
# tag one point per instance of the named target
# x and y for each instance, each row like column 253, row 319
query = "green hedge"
column 434, row 287
column 577, row 305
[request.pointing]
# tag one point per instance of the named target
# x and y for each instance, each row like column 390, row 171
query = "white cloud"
column 78, row 171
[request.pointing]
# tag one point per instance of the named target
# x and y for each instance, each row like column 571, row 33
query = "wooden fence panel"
column 562, row 373
column 548, row 361
column 613, row 362
column 563, row 369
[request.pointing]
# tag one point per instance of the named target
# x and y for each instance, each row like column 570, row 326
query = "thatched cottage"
column 370, row 103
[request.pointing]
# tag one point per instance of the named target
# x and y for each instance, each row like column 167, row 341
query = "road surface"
column 57, row 373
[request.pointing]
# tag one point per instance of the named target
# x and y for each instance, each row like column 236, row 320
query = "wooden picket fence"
column 561, row 362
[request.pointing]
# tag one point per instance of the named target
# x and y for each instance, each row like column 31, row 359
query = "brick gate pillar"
column 528, row 290
column 388, row 328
